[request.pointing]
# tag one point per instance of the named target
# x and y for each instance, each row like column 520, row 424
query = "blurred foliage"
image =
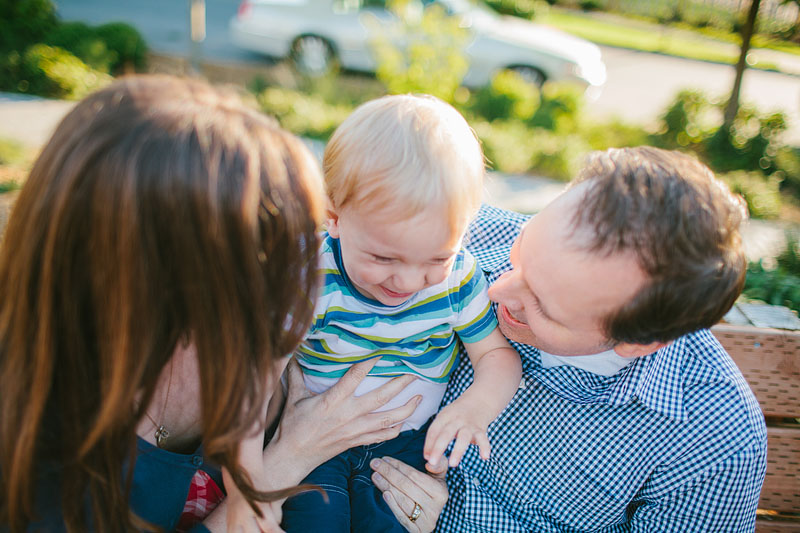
column 762, row 193
column 561, row 108
column 128, row 45
column 11, row 152
column 422, row 51
column 750, row 150
column 507, row 144
column 508, row 96
column 613, row 134
column 25, row 21
column 51, row 71
column 779, row 285
column 528, row 9
column 303, row 113
column 43, row 56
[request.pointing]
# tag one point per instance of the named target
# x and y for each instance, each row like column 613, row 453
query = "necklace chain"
column 162, row 433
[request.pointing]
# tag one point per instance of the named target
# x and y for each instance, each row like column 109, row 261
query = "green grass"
column 645, row 37
column 11, row 152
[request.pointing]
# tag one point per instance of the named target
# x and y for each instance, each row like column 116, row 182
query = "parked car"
column 317, row 34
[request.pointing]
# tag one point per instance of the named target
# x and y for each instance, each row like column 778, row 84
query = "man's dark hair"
column 681, row 223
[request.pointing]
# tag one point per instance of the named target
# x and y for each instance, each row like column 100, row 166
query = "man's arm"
column 720, row 498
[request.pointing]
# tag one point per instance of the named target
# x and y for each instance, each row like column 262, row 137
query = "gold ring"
column 415, row 513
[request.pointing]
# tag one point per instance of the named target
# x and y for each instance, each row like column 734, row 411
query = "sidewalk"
column 31, row 121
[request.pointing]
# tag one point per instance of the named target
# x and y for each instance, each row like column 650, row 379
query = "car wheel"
column 530, row 74
column 312, row 55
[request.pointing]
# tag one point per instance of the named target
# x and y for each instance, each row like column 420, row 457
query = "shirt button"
column 476, row 482
column 197, row 460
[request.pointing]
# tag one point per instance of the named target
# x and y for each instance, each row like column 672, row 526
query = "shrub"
column 10, row 152
column 775, row 287
column 751, row 143
column 560, row 108
column 432, row 60
column 111, row 48
column 508, row 96
column 508, row 145
column 126, row 43
column 779, row 285
column 613, row 134
column 25, row 21
column 787, row 160
column 52, row 71
column 685, row 122
column 528, row 9
column 558, row 156
column 762, row 193
column 303, row 114
column 80, row 40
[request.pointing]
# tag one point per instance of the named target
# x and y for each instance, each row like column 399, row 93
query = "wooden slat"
column 770, row 526
column 770, row 362
column 781, row 491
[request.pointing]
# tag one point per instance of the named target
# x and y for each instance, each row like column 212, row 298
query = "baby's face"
column 390, row 260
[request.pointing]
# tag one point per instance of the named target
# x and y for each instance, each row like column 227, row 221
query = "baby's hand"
column 462, row 422
column 240, row 516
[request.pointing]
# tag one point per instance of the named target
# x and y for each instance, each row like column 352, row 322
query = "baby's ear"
column 332, row 223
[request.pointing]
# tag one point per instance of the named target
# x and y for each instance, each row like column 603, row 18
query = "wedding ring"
column 415, row 513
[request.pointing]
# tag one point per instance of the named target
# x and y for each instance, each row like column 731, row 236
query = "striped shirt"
column 675, row 441
column 417, row 337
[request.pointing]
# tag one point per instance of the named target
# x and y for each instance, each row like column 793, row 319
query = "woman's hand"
column 314, row 428
column 409, row 492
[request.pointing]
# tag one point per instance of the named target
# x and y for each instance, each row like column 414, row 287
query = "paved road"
column 639, row 87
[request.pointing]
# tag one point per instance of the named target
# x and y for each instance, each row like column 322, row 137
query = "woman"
column 153, row 276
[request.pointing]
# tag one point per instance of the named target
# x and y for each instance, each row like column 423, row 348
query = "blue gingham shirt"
column 675, row 441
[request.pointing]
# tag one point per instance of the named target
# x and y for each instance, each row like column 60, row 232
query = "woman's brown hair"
column 161, row 209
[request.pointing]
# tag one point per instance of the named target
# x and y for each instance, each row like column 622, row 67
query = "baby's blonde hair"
column 403, row 154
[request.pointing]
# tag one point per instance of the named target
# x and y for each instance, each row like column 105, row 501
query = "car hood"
column 541, row 38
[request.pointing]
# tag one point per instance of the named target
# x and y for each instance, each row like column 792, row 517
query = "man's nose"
column 503, row 287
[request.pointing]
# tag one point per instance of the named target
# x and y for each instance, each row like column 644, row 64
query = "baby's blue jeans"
column 354, row 504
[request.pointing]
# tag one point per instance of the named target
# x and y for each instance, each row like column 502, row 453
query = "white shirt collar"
column 605, row 363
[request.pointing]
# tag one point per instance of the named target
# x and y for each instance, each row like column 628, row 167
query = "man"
column 655, row 429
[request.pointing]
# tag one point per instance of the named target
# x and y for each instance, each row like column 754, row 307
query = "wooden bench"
column 770, row 362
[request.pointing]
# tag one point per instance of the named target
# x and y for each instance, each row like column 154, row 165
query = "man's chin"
column 515, row 332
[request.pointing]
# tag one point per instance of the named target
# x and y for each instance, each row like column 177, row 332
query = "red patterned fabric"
column 204, row 496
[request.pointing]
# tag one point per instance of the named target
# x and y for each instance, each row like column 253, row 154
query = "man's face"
column 557, row 295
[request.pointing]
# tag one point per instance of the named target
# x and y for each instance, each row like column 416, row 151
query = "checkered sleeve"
column 721, row 498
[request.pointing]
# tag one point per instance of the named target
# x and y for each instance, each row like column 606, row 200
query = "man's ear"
column 627, row 349
column 332, row 223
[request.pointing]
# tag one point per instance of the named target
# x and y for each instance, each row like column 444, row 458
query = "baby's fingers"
column 482, row 441
column 435, row 444
column 463, row 440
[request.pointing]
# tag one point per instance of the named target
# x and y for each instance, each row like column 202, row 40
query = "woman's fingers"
column 346, row 386
column 296, row 386
column 407, row 487
column 379, row 397
column 398, row 512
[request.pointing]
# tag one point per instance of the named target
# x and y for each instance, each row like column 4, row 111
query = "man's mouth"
column 392, row 294
column 509, row 318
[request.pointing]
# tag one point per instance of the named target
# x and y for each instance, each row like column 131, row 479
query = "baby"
column 404, row 175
